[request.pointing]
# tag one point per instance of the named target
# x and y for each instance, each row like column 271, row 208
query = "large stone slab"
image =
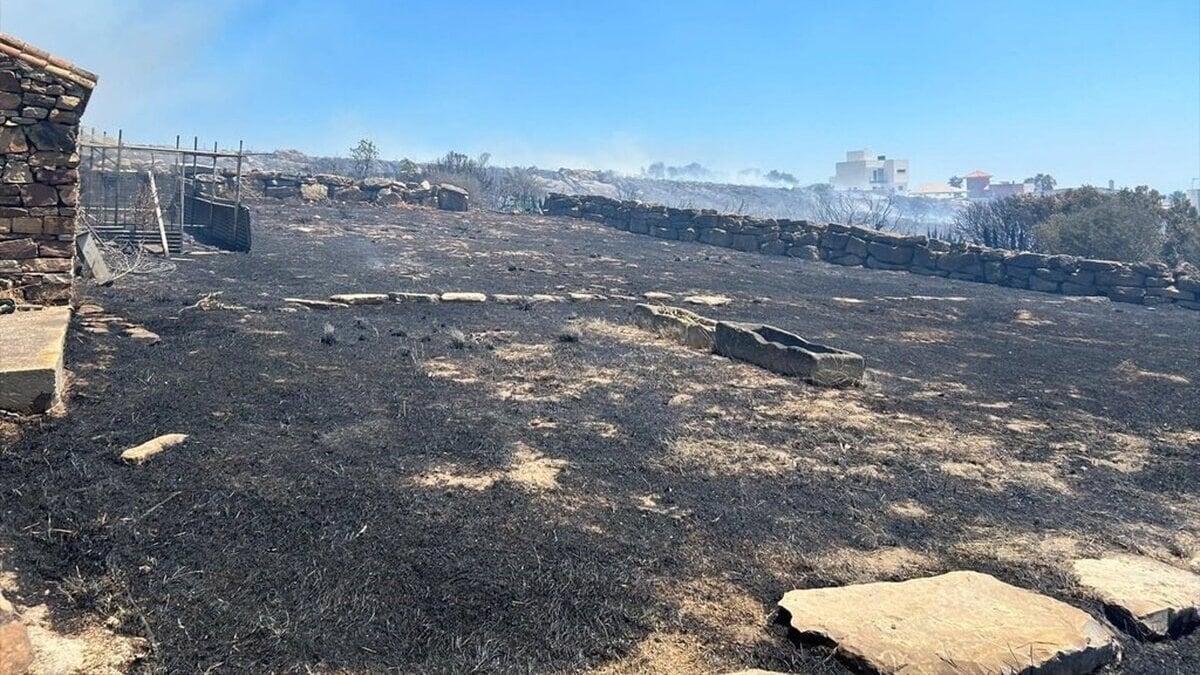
column 788, row 354
column 1143, row 596
column 677, row 324
column 961, row 622
column 31, row 366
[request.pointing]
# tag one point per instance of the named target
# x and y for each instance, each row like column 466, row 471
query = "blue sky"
column 1085, row 90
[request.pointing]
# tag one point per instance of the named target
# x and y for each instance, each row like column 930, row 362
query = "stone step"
column 960, row 622
column 1148, row 598
column 31, row 372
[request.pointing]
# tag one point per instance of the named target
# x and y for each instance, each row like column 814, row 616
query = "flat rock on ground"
column 960, row 622
column 360, row 298
column 707, row 300
column 1142, row 595
column 464, row 297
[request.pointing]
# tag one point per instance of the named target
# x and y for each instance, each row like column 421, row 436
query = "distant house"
column 864, row 171
column 1002, row 189
column 939, row 191
column 977, row 184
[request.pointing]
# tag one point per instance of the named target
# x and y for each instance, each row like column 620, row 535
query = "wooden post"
column 162, row 228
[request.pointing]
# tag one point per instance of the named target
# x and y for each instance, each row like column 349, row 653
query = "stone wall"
column 381, row 191
column 41, row 100
column 1139, row 283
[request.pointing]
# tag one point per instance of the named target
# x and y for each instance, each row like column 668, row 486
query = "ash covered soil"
column 545, row 488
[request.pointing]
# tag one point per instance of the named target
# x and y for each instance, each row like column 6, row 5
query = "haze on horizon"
column 1086, row 91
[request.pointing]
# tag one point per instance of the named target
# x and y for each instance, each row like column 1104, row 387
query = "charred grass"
column 541, row 487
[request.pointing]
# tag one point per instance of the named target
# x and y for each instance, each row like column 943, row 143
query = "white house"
column 864, row 171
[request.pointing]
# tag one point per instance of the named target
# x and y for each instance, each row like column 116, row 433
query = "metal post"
column 195, row 147
column 213, row 201
column 103, row 196
column 180, row 159
column 117, row 188
column 237, row 194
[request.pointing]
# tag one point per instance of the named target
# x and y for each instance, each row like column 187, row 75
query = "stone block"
column 892, row 255
column 773, row 247
column 787, row 354
column 745, row 242
column 18, row 249
column 1125, row 294
column 856, row 246
column 807, row 252
column 677, row 324
column 1037, row 283
column 314, row 192
column 716, row 237
column 31, row 371
column 1145, row 597
column 960, row 622
column 1121, row 276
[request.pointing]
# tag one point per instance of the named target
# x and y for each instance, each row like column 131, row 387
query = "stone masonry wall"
column 1139, row 283
column 41, row 100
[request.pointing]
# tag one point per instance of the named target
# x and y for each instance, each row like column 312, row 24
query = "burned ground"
column 542, row 487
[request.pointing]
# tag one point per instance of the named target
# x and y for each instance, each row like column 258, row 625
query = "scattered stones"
column 418, row 298
column 960, row 622
column 1143, row 596
column 316, row 304
column 677, row 324
column 707, row 300
column 360, row 298
column 463, row 297
column 788, row 354
column 140, row 454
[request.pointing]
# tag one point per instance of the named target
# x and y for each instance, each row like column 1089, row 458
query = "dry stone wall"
column 1139, row 283
column 41, row 100
column 381, row 191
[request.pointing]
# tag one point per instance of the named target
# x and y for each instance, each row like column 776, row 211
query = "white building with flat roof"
column 865, row 171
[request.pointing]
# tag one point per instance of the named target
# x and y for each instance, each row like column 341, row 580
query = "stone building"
column 41, row 100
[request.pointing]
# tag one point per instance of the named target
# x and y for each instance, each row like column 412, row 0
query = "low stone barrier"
column 1138, row 283
column 380, row 191
column 788, row 354
column 674, row 323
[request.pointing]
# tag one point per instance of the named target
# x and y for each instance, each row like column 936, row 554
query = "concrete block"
column 31, row 372
column 787, row 354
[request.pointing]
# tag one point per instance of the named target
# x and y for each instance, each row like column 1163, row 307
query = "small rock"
column 657, row 295
column 585, row 297
column 360, row 298
column 413, row 297
column 140, row 333
column 707, row 300
column 464, row 297
column 141, row 453
column 316, row 304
